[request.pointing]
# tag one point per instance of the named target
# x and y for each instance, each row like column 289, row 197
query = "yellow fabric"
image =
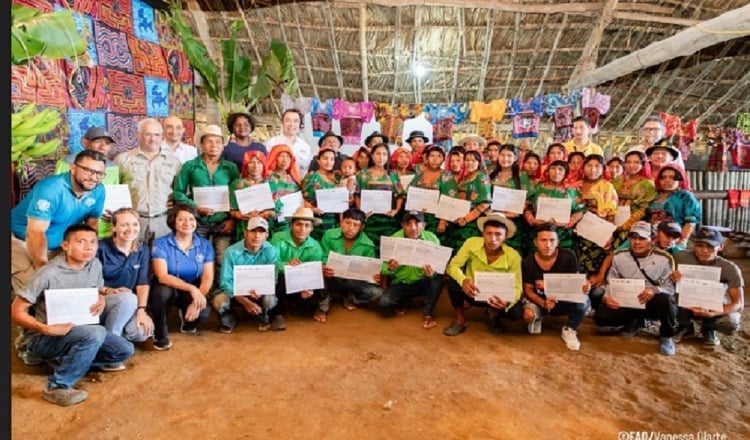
column 588, row 149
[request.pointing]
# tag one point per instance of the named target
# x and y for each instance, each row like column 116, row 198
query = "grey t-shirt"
column 57, row 274
column 730, row 277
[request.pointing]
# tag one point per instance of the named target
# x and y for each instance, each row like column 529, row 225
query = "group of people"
column 168, row 252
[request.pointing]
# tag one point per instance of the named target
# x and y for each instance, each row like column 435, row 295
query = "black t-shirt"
column 566, row 262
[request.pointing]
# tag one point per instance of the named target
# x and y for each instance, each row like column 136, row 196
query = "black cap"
column 97, row 133
column 408, row 215
column 709, row 235
column 670, row 227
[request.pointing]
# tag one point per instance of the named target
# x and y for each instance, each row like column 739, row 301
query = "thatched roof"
column 483, row 50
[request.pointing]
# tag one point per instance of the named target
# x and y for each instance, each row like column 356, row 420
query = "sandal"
column 348, row 304
column 428, row 322
column 455, row 329
column 320, row 316
column 264, row 327
column 399, row 311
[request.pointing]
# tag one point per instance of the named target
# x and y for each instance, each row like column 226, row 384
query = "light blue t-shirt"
column 185, row 265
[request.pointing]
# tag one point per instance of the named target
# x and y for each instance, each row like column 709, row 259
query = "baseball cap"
column 408, row 215
column 708, row 235
column 97, row 133
column 642, row 229
column 257, row 222
column 670, row 228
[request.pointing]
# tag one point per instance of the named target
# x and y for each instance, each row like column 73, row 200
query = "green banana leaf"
column 237, row 68
column 51, row 36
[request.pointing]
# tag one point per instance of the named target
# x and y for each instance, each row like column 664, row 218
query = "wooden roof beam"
column 486, row 57
column 740, row 85
column 551, row 56
column 589, row 54
column 460, row 50
column 304, row 52
column 202, row 27
column 363, row 50
column 727, row 26
column 334, row 54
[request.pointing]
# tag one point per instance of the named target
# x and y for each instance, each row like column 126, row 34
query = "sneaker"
column 535, row 326
column 64, row 396
column 683, row 332
column 117, row 366
column 185, row 327
column 162, row 344
column 570, row 337
column 29, row 359
column 651, row 328
column 711, row 338
column 666, row 346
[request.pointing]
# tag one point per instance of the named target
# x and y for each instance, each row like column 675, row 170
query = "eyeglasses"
column 90, row 171
column 651, row 128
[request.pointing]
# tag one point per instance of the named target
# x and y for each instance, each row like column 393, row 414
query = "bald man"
column 174, row 130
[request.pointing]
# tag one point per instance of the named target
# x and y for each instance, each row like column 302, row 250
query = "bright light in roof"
column 420, row 70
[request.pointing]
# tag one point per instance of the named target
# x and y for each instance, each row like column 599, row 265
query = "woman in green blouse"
column 508, row 174
column 322, row 178
column 283, row 178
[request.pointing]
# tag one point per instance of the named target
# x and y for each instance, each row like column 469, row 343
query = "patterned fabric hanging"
column 525, row 125
column 563, row 123
column 743, row 123
column 486, row 128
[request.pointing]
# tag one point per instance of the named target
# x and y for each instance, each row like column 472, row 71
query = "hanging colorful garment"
column 525, row 125
column 458, row 112
column 672, row 124
column 743, row 123
column 554, row 100
column 742, row 147
column 361, row 110
column 494, row 111
column 486, row 128
column 321, row 123
column 592, row 114
column 716, row 161
column 533, row 105
column 563, row 117
column 351, row 130
column 591, row 99
column 302, row 103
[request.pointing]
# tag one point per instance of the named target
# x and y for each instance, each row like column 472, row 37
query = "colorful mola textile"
column 87, row 86
column 128, row 92
column 124, row 128
column 148, row 58
column 86, row 30
column 85, row 6
column 181, row 100
column 157, row 97
column 189, row 136
column 112, row 48
column 116, row 13
column 143, row 22
column 167, row 37
column 31, row 173
column 41, row 82
column 178, row 65
column 41, row 5
column 79, row 121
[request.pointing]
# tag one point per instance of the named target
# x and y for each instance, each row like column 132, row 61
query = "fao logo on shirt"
column 199, row 258
column 43, row 205
column 89, row 201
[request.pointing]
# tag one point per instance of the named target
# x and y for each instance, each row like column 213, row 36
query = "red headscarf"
column 274, row 155
column 684, row 184
column 394, row 158
column 248, row 156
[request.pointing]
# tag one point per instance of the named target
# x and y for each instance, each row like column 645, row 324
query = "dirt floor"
column 367, row 375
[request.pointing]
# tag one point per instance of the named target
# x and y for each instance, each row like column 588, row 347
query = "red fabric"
column 128, row 92
column 41, row 82
column 148, row 58
column 745, row 198
column 116, row 13
column 733, row 195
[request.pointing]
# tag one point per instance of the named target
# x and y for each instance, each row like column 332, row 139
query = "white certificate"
column 451, row 208
column 304, row 276
column 406, row 180
column 289, row 204
column 332, row 200
column 425, row 253
column 116, row 197
column 548, row 208
column 376, row 201
column 260, row 277
column 421, row 199
column 71, row 305
column 565, row 287
column 622, row 215
column 255, row 198
column 212, row 197
column 698, row 272
column 507, row 199
column 354, row 267
column 594, row 228
column 388, row 247
column 701, row 293
column 625, row 291
column 502, row 285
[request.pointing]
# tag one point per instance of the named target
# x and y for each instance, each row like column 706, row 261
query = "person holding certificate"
column 532, row 167
column 487, row 253
column 491, row 153
column 349, row 239
column 253, row 172
column 554, row 153
column 296, row 246
column 208, row 169
column 635, row 191
column 253, row 250
column 674, row 203
column 378, row 176
column 575, row 176
column 401, row 161
column 600, row 198
column 539, row 299
column 126, row 270
column 183, row 265
column 553, row 186
column 433, row 177
column 283, row 177
column 76, row 347
column 652, row 267
column 508, row 174
column 323, row 177
column 707, row 243
column 474, row 186
column 407, row 282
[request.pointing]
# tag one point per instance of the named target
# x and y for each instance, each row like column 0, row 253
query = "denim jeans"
column 362, row 292
column 134, row 333
column 83, row 347
column 223, row 305
column 162, row 299
column 119, row 308
column 574, row 311
column 397, row 295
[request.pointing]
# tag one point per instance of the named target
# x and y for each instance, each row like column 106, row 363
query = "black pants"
column 318, row 301
column 684, row 316
column 161, row 299
column 458, row 297
column 662, row 307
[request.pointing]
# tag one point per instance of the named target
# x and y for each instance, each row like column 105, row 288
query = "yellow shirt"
column 471, row 258
column 588, row 149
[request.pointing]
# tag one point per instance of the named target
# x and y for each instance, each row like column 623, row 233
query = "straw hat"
column 498, row 217
column 304, row 213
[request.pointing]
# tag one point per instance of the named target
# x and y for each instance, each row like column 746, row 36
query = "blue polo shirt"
column 238, row 255
column 185, row 265
column 52, row 200
column 122, row 270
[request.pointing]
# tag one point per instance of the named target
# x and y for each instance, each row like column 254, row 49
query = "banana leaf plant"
column 237, row 87
column 51, row 36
